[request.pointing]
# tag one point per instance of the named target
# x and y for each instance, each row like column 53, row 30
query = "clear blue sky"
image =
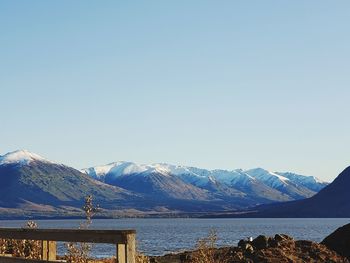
column 214, row 84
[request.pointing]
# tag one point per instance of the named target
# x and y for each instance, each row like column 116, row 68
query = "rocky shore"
column 280, row 248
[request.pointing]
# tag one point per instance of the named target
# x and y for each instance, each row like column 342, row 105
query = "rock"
column 339, row 241
column 261, row 242
column 272, row 242
column 282, row 237
column 281, row 249
column 242, row 243
column 248, row 248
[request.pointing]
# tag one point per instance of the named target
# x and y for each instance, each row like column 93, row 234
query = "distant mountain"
column 29, row 181
column 310, row 182
column 238, row 188
column 331, row 201
column 33, row 185
column 294, row 187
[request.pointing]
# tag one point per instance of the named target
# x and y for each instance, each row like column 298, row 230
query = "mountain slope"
column 157, row 182
column 238, row 181
column 281, row 183
column 239, row 187
column 331, row 201
column 29, row 178
column 31, row 182
column 310, row 182
column 160, row 185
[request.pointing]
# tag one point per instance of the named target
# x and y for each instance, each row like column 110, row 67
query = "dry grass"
column 30, row 249
column 206, row 250
column 3, row 246
column 141, row 258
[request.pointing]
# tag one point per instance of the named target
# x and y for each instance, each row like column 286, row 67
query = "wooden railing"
column 123, row 239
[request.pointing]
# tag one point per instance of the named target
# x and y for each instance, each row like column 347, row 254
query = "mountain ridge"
column 333, row 201
column 266, row 186
column 36, row 185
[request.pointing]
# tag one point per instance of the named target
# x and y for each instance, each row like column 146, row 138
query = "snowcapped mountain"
column 30, row 182
column 21, row 157
column 257, row 185
column 269, row 178
column 333, row 201
column 311, row 182
column 153, row 180
column 283, row 184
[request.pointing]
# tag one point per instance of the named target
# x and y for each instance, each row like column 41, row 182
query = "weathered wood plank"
column 68, row 235
column 130, row 249
column 121, row 253
column 49, row 250
column 124, row 240
column 22, row 260
column 52, row 253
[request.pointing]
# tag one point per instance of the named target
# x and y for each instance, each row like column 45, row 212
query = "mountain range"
column 331, row 201
column 33, row 185
column 246, row 187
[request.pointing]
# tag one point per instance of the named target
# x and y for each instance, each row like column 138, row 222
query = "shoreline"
column 279, row 248
column 160, row 216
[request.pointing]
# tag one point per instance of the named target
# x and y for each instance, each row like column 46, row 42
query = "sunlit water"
column 160, row 236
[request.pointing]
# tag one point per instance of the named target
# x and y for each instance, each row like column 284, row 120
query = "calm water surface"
column 160, row 236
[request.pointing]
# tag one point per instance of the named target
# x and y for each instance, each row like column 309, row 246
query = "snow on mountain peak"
column 270, row 178
column 202, row 177
column 21, row 157
column 311, row 182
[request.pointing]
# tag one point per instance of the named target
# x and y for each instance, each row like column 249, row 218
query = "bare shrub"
column 3, row 246
column 6, row 246
column 77, row 253
column 206, row 250
column 80, row 252
column 90, row 210
column 141, row 258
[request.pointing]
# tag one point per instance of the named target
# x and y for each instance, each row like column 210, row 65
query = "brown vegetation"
column 30, row 249
column 206, row 250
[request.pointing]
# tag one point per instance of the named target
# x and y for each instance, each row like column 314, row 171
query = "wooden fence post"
column 121, row 253
column 130, row 249
column 49, row 250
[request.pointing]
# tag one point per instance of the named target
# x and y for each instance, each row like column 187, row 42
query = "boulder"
column 272, row 242
column 339, row 241
column 242, row 243
column 248, row 248
column 261, row 242
column 282, row 237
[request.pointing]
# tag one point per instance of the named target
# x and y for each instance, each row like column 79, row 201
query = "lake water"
column 160, row 236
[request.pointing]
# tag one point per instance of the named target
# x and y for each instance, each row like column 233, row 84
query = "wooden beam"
column 68, row 235
column 123, row 239
column 23, row 260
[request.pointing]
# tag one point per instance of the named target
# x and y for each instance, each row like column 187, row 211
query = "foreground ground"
column 280, row 248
